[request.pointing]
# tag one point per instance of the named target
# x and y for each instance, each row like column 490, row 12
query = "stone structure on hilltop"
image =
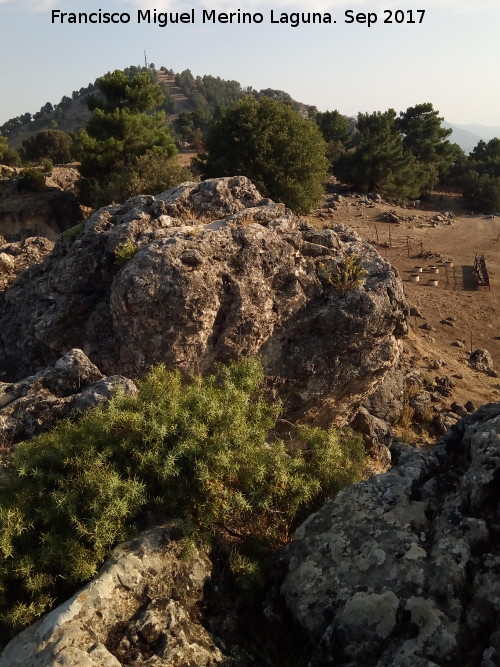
column 210, row 272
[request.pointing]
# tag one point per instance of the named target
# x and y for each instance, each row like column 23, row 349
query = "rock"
column 386, row 402
column 374, row 196
column 414, row 312
column 421, row 404
column 427, row 327
column 403, row 565
column 448, row 322
column 458, row 409
column 376, row 434
column 390, row 216
column 444, row 421
column 253, row 280
column 481, row 360
column 20, row 255
column 458, row 343
column 73, row 384
column 45, row 214
column 469, row 406
column 444, row 386
column 141, row 609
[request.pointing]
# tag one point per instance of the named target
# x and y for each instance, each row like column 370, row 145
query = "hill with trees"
column 183, row 93
column 401, row 156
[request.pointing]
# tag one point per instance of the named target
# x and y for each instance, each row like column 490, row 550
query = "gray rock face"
column 18, row 256
column 386, row 402
column 404, row 565
column 73, row 384
column 140, row 610
column 253, row 279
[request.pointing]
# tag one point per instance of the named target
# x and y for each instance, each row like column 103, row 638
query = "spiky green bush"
column 199, row 451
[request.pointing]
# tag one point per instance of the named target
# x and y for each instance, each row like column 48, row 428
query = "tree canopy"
column 282, row 153
column 8, row 155
column 119, row 132
column 378, row 160
column 480, row 177
column 48, row 144
column 402, row 157
column 427, row 140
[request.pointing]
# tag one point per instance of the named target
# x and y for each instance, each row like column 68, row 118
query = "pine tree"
column 378, row 160
column 427, row 140
column 120, row 130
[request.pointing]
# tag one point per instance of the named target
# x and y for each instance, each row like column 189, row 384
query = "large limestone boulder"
column 69, row 387
column 402, row 569
column 210, row 272
column 142, row 609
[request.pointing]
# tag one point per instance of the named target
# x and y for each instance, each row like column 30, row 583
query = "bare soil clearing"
column 473, row 315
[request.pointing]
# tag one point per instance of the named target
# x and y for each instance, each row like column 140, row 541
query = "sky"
column 450, row 58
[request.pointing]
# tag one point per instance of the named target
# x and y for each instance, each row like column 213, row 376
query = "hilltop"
column 184, row 93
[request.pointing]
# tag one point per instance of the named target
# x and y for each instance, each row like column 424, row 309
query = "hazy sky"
column 450, row 59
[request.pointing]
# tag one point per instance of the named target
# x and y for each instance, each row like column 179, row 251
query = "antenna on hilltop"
column 145, row 60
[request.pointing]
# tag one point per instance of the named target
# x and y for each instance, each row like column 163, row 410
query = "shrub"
column 197, row 451
column 48, row 144
column 124, row 253
column 32, row 180
column 280, row 152
column 344, row 276
column 72, row 233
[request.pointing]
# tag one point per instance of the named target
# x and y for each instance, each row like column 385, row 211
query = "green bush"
column 280, row 152
column 72, row 233
column 124, row 252
column 32, row 180
column 345, row 276
column 199, row 451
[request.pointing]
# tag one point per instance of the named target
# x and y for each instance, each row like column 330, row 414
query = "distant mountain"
column 486, row 132
column 468, row 136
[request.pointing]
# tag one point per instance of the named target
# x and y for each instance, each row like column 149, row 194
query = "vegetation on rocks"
column 199, row 451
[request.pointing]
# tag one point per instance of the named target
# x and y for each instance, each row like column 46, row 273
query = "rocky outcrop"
column 481, row 360
column 210, row 272
column 142, row 609
column 18, row 256
column 44, row 214
column 402, row 569
column 71, row 386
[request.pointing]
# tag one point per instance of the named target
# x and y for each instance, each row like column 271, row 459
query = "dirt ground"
column 475, row 313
